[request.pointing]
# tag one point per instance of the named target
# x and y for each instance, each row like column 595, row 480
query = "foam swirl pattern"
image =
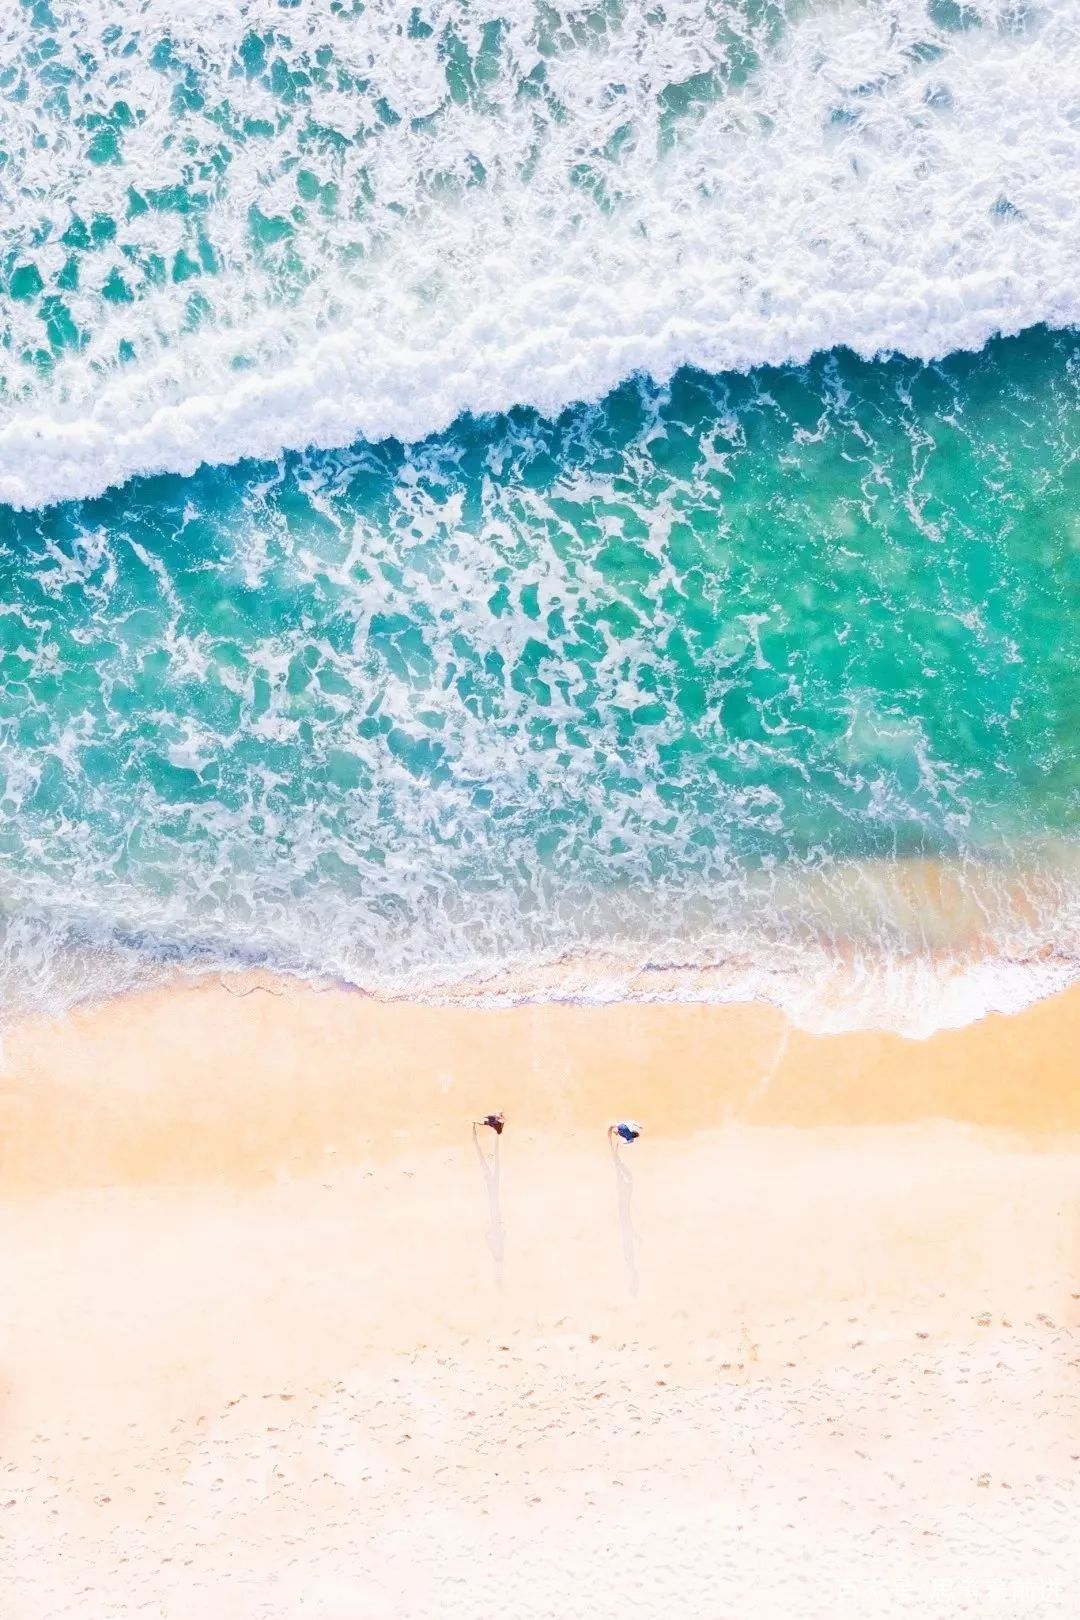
column 232, row 229
column 745, row 685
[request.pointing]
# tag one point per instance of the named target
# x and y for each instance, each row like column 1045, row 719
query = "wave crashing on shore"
column 682, row 689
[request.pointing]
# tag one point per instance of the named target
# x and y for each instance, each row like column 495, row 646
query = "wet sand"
column 277, row 1336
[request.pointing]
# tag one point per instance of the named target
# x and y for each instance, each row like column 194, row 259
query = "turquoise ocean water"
column 524, row 500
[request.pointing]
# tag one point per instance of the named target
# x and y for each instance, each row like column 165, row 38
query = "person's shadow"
column 489, row 1164
column 624, row 1188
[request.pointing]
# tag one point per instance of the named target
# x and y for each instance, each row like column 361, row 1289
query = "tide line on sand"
column 250, row 1074
column 809, row 1346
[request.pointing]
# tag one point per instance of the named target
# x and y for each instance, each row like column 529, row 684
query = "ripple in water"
column 233, row 229
column 756, row 684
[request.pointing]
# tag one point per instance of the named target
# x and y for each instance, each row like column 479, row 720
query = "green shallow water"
column 652, row 675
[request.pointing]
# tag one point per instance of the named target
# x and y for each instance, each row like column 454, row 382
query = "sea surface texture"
column 508, row 500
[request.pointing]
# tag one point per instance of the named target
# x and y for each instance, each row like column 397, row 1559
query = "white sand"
column 760, row 1369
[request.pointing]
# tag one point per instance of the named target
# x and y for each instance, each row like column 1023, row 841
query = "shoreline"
column 910, row 946
column 824, row 993
column 273, row 1334
column 253, row 1074
column 833, row 998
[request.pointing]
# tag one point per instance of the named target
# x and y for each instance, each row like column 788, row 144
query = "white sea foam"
column 873, row 180
column 904, row 994
column 909, row 947
column 301, row 839
column 46, row 966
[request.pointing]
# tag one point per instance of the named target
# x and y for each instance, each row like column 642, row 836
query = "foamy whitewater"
column 505, row 501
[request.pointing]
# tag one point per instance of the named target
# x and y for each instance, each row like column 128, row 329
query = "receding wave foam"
column 909, row 947
column 750, row 686
column 244, row 227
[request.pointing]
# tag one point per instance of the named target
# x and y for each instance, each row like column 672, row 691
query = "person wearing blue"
column 627, row 1130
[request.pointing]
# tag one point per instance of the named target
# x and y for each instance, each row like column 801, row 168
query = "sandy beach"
column 279, row 1339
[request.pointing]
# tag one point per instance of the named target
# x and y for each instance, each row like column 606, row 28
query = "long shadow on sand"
column 624, row 1188
column 489, row 1164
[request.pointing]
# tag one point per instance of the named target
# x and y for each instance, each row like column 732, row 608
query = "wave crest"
column 301, row 229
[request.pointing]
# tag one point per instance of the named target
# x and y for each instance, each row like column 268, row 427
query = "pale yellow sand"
column 275, row 1342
